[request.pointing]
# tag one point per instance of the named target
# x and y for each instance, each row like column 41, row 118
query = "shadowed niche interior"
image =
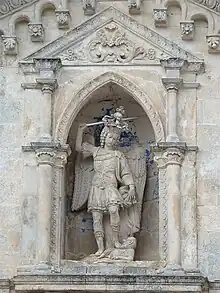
column 79, row 238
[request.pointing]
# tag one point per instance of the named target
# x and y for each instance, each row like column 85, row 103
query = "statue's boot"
column 100, row 244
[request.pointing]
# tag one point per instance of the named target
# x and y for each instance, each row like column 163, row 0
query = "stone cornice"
column 8, row 6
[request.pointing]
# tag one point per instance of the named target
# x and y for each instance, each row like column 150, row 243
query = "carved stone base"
column 115, row 277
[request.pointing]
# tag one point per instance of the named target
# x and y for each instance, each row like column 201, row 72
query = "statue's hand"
column 82, row 126
column 132, row 194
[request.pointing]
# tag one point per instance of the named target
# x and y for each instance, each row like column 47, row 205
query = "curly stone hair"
column 105, row 132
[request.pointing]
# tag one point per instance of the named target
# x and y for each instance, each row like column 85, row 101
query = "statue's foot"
column 99, row 252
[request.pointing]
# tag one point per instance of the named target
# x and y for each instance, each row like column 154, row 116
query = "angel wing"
column 136, row 158
column 84, row 172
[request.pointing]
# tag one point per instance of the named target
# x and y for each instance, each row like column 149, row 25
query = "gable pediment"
column 111, row 37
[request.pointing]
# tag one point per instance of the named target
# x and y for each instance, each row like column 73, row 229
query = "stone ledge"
column 119, row 283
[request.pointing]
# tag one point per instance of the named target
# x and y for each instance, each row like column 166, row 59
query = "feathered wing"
column 84, row 172
column 131, row 218
column 83, row 178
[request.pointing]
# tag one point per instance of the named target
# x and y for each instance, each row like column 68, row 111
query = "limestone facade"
column 61, row 63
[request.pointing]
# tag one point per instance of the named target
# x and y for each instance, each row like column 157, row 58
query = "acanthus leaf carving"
column 187, row 30
column 112, row 45
column 36, row 32
column 62, row 17
column 213, row 43
column 10, row 45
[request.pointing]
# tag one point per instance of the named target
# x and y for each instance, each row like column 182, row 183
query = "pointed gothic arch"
column 81, row 98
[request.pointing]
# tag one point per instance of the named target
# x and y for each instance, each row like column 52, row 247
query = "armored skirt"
column 111, row 172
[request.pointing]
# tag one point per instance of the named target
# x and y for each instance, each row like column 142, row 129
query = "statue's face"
column 111, row 139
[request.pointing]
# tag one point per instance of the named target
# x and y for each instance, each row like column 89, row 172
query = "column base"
column 172, row 138
column 45, row 138
column 40, row 268
column 172, row 269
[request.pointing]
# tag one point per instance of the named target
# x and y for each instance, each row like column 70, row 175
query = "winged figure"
column 111, row 179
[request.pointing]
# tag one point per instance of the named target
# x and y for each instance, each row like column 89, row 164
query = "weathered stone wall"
column 198, row 124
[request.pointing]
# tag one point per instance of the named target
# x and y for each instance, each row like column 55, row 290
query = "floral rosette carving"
column 111, row 45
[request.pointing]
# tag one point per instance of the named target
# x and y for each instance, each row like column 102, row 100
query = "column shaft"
column 44, row 212
column 174, row 214
column 172, row 115
column 46, row 115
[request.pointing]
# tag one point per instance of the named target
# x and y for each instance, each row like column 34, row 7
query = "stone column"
column 169, row 157
column 51, row 159
column 172, row 82
column 47, row 68
column 174, row 157
column 45, row 157
column 172, row 86
column 58, row 207
column 189, row 223
column 47, row 89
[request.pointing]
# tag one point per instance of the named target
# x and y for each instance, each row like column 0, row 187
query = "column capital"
column 47, row 66
column 173, row 63
column 49, row 153
column 167, row 153
column 48, row 85
column 172, row 83
column 45, row 156
column 174, row 156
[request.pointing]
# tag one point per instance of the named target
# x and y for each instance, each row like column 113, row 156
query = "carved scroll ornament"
column 211, row 4
column 112, row 45
column 9, row 6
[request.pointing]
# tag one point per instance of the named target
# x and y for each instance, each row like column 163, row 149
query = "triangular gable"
column 78, row 39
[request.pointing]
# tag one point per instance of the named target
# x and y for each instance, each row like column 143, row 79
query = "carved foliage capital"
column 63, row 18
column 89, row 7
column 160, row 159
column 134, row 6
column 47, row 64
column 187, row 30
column 213, row 42
column 173, row 63
column 10, row 45
column 36, row 32
column 160, row 17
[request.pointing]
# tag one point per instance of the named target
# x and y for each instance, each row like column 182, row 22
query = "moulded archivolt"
column 82, row 97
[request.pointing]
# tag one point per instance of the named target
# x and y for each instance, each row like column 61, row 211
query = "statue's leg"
column 98, row 231
column 115, row 224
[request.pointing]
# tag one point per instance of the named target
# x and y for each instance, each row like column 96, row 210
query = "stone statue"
column 113, row 184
